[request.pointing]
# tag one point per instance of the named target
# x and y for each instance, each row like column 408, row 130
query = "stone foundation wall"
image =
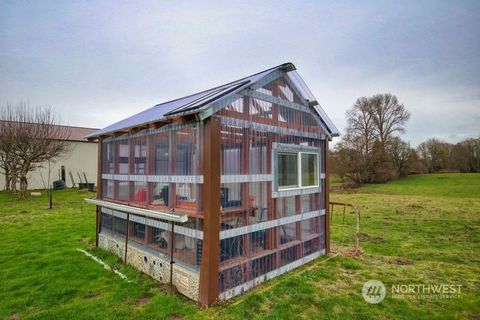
column 145, row 260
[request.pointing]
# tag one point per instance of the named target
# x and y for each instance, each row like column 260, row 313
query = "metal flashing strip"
column 292, row 105
column 189, row 232
column 223, row 102
column 272, row 274
column 276, row 100
column 218, row 105
column 267, row 79
column 269, row 128
column 237, row 178
column 294, row 87
column 295, row 192
column 294, row 147
column 153, row 178
column 229, row 233
column 170, row 216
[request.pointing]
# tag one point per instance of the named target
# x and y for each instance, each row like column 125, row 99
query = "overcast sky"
column 98, row 62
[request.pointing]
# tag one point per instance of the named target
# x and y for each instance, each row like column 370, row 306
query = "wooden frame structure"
column 212, row 158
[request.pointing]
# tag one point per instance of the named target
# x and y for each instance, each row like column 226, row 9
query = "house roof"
column 75, row 133
column 196, row 102
column 79, row 133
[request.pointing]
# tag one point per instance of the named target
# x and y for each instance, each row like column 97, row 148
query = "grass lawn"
column 419, row 230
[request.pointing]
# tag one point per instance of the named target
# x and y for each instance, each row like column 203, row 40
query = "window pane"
column 287, row 170
column 123, row 155
column 309, row 169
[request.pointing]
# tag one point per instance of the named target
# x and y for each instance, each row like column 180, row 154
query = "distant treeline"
column 371, row 150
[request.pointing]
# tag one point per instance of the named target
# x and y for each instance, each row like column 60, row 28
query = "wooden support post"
column 126, row 236
column 131, row 169
column 172, row 159
column 272, row 240
column 298, row 226
column 209, row 269
column 99, row 189
column 247, row 208
column 172, row 261
column 150, row 167
column 327, row 197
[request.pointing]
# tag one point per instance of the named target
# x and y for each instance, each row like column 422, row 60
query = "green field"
column 418, row 230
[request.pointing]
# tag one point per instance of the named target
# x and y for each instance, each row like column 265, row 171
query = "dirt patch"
column 94, row 295
column 352, row 253
column 142, row 301
column 414, row 206
column 367, row 237
column 85, row 239
column 401, row 261
column 165, row 287
column 175, row 318
column 15, row 317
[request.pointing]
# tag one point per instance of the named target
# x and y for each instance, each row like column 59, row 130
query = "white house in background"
column 81, row 161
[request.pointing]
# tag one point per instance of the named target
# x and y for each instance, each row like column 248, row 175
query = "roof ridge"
column 283, row 65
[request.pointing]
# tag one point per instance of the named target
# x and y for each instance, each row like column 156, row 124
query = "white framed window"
column 296, row 169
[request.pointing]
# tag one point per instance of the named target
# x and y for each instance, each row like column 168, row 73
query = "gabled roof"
column 196, row 102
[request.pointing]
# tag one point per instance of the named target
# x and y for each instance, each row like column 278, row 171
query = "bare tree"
column 372, row 124
column 434, row 154
column 361, row 124
column 402, row 155
column 389, row 117
column 34, row 137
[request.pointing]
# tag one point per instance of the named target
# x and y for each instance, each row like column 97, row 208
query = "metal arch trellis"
column 356, row 211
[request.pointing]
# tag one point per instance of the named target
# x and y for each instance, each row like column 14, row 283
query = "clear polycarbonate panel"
column 123, row 188
column 309, row 167
column 140, row 193
column 286, row 206
column 280, row 88
column 138, row 167
column 300, row 85
column 140, row 155
column 159, row 194
column 157, row 169
column 287, row 233
column 279, row 233
column 157, row 235
column 123, row 157
column 287, row 170
column 108, row 153
column 258, row 202
column 107, row 188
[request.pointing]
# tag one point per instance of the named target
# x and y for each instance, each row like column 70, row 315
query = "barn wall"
column 81, row 158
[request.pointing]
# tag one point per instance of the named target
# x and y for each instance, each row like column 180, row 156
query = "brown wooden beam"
column 209, row 269
column 99, row 189
column 327, row 197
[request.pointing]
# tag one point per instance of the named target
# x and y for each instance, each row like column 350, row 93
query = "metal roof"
column 195, row 102
column 73, row 133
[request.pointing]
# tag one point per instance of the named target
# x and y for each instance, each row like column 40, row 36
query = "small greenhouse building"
column 221, row 190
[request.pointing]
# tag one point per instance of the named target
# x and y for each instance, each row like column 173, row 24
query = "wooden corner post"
column 99, row 190
column 209, row 269
column 327, row 199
